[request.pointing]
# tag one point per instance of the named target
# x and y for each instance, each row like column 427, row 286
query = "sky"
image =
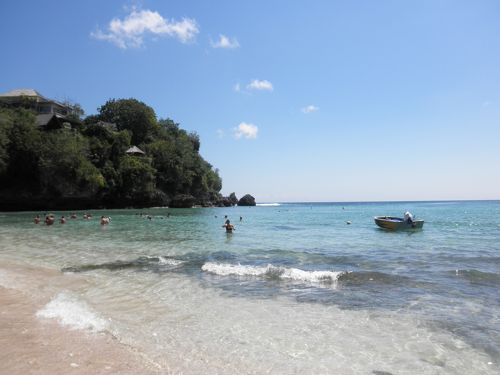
column 323, row 100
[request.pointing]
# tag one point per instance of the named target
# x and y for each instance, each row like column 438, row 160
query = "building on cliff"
column 50, row 114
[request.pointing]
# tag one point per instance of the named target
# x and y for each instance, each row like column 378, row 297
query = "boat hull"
column 397, row 223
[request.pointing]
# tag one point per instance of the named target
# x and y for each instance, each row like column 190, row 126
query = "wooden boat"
column 397, row 223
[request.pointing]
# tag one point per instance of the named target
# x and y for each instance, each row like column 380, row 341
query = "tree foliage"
column 90, row 162
column 132, row 115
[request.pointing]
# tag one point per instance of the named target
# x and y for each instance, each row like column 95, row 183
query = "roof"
column 30, row 93
column 42, row 120
column 23, row 92
column 135, row 150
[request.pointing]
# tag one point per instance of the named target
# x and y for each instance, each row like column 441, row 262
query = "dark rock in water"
column 233, row 199
column 229, row 201
column 225, row 202
column 182, row 201
column 247, row 200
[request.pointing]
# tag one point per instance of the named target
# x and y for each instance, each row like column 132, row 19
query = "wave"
column 145, row 262
column 475, row 276
column 365, row 277
column 169, row 261
column 72, row 312
column 272, row 272
column 268, row 204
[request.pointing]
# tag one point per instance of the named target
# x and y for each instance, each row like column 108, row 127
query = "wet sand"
column 32, row 345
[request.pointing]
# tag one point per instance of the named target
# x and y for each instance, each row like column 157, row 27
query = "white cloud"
column 237, row 87
column 225, row 42
column 130, row 31
column 245, row 130
column 309, row 109
column 260, row 85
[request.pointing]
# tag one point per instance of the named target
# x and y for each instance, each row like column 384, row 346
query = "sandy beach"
column 34, row 345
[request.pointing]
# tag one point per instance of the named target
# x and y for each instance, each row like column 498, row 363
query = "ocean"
column 294, row 290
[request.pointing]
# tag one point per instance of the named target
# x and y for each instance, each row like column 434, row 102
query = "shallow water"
column 293, row 290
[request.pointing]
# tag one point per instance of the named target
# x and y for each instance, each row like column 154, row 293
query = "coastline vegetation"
column 86, row 165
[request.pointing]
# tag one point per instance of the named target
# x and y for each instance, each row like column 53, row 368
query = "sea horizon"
column 260, row 203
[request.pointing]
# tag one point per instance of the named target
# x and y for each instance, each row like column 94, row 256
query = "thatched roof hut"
column 134, row 150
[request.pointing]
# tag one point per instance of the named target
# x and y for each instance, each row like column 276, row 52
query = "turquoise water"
column 294, row 289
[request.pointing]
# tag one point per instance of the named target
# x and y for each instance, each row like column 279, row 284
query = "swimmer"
column 104, row 220
column 62, row 220
column 229, row 227
column 73, row 216
column 37, row 219
column 49, row 219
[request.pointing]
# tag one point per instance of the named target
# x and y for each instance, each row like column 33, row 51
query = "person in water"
column 37, row 219
column 104, row 220
column 49, row 219
column 229, row 227
column 62, row 220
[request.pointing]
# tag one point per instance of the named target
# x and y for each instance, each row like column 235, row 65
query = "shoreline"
column 33, row 345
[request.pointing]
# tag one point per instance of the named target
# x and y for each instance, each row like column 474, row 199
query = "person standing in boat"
column 408, row 217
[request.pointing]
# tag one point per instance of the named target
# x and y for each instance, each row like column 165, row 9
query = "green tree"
column 137, row 179
column 65, row 170
column 132, row 115
column 76, row 110
column 24, row 147
column 5, row 126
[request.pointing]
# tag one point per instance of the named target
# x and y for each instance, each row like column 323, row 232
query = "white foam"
column 72, row 312
column 5, row 279
column 170, row 261
column 268, row 204
column 224, row 269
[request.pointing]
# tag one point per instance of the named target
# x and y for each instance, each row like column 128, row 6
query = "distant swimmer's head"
column 228, row 222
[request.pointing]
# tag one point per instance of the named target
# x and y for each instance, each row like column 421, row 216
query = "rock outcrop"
column 182, row 201
column 246, row 200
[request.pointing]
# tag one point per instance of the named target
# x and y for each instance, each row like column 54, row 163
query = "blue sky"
column 293, row 100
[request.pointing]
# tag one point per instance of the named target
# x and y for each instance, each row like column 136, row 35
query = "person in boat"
column 62, row 220
column 408, row 217
column 37, row 219
column 229, row 227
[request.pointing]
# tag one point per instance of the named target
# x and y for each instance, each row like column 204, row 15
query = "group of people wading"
column 105, row 220
column 50, row 219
